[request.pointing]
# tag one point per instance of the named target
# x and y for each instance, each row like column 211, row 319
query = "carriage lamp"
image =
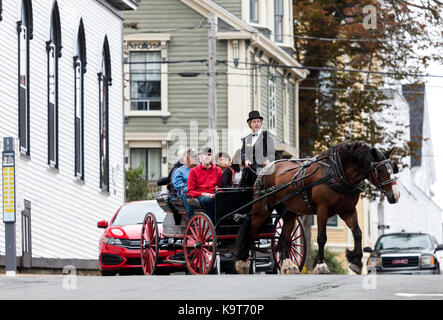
column 427, row 260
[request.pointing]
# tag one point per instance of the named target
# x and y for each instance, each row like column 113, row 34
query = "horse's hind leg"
column 285, row 242
column 354, row 257
column 245, row 239
column 243, row 245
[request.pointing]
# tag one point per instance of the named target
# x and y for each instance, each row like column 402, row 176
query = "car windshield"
column 134, row 213
column 404, row 241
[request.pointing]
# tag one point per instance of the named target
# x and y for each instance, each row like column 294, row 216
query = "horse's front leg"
column 320, row 266
column 285, row 242
column 245, row 239
column 354, row 257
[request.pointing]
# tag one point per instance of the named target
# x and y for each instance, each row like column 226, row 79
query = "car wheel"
column 108, row 273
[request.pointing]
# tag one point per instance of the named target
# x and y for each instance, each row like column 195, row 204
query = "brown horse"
column 326, row 185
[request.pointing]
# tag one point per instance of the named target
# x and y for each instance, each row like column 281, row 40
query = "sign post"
column 9, row 207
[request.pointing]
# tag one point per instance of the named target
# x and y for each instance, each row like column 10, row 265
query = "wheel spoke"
column 193, row 232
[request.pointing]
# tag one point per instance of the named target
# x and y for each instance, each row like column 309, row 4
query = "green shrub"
column 138, row 187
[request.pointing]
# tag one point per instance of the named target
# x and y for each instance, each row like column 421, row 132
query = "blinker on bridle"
column 374, row 176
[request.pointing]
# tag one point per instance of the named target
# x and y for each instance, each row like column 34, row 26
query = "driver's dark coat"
column 262, row 150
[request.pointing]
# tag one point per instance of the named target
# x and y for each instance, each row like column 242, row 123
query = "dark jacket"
column 263, row 149
column 227, row 178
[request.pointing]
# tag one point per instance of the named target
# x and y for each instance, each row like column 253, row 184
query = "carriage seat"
column 194, row 203
column 163, row 201
column 178, row 205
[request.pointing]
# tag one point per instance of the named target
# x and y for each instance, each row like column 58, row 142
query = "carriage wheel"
column 297, row 249
column 200, row 245
column 149, row 244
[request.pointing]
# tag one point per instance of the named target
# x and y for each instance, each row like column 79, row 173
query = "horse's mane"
column 355, row 153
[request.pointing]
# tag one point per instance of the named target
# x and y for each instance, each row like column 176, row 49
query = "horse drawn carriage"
column 326, row 185
column 203, row 241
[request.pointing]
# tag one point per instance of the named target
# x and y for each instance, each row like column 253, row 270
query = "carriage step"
column 171, row 246
column 174, row 261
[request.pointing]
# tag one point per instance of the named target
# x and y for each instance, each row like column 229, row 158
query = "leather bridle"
column 374, row 177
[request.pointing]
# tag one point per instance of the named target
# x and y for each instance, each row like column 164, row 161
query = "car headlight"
column 113, row 241
column 427, row 260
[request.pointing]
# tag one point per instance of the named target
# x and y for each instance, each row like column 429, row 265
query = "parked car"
column 120, row 244
column 405, row 253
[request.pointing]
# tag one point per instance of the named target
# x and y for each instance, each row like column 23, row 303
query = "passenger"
column 223, row 160
column 232, row 176
column 203, row 180
column 171, row 190
column 180, row 177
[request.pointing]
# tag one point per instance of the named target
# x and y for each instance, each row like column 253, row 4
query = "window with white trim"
column 79, row 71
column 145, row 77
column 253, row 11
column 105, row 80
column 24, row 29
column 272, row 102
column 286, row 111
column 53, row 48
column 149, row 159
column 278, row 20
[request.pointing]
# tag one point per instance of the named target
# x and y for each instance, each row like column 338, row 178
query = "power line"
column 357, row 39
column 197, row 26
column 335, row 69
column 290, row 67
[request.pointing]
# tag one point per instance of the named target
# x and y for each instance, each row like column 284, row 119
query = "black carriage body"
column 228, row 201
column 232, row 206
column 226, row 224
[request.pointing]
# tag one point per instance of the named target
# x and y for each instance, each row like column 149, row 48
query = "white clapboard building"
column 61, row 99
column 416, row 211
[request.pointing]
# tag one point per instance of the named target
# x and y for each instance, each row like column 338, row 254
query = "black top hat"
column 254, row 115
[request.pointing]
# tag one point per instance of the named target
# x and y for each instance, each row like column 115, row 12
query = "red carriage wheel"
column 149, row 244
column 200, row 245
column 297, row 249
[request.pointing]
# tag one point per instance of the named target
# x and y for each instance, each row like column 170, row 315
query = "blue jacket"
column 180, row 180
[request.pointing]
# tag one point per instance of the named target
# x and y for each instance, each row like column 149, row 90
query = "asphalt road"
column 223, row 287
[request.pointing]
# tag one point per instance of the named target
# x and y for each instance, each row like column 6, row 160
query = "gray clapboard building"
column 166, row 77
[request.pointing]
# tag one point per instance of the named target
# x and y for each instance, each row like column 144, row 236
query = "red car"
column 120, row 244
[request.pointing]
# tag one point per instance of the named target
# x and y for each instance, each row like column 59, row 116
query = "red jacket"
column 202, row 180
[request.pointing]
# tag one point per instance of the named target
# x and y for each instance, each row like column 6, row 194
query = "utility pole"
column 212, row 47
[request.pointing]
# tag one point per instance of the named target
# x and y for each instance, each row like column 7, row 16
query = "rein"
column 338, row 173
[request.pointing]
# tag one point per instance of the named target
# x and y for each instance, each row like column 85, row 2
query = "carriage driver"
column 257, row 149
column 203, row 180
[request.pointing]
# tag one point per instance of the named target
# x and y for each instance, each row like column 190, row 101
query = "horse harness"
column 333, row 175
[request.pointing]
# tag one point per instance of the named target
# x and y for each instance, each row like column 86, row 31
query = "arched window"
column 25, row 34
column 79, row 71
column 105, row 80
column 53, row 48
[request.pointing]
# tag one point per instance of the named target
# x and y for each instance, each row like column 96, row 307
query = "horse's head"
column 380, row 175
